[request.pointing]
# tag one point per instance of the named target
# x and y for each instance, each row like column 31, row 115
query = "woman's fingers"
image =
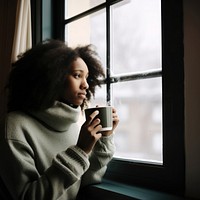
column 89, row 133
column 94, row 126
column 92, row 116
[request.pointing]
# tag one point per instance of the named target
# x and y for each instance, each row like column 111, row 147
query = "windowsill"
column 108, row 190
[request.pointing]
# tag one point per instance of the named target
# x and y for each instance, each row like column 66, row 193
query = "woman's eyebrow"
column 80, row 70
column 77, row 70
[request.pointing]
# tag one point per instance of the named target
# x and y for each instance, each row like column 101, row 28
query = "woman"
column 44, row 155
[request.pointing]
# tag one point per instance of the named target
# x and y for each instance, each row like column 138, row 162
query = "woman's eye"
column 77, row 75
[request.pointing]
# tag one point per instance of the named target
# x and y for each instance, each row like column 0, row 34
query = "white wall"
column 192, row 95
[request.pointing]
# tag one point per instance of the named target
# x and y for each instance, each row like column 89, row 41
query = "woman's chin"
column 75, row 104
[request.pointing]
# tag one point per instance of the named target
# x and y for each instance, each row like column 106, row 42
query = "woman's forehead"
column 79, row 65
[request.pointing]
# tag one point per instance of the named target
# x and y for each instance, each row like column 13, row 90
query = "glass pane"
column 100, row 97
column 75, row 7
column 139, row 106
column 136, row 32
column 88, row 30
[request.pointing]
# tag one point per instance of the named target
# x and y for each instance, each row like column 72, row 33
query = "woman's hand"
column 115, row 123
column 89, row 133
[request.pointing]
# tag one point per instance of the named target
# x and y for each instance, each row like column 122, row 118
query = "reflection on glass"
column 75, row 7
column 139, row 106
column 136, row 35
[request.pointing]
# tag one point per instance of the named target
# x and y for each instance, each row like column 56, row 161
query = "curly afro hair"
column 38, row 75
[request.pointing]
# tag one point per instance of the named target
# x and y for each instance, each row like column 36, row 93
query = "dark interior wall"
column 192, row 95
column 7, row 24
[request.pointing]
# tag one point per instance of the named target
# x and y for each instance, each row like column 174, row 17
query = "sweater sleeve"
column 21, row 177
column 99, row 159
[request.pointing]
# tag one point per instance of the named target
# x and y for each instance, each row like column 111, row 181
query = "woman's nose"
column 85, row 84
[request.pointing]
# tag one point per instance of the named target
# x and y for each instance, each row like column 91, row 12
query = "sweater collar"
column 59, row 117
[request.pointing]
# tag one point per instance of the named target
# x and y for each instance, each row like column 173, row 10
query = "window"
column 140, row 44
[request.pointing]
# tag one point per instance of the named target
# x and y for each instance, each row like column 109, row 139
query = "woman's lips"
column 82, row 95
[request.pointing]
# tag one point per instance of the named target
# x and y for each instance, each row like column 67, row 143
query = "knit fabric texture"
column 40, row 159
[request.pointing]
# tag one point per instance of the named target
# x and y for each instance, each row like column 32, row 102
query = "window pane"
column 136, row 32
column 75, row 7
column 100, row 97
column 139, row 133
column 88, row 30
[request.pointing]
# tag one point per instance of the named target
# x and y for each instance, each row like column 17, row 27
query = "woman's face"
column 76, row 83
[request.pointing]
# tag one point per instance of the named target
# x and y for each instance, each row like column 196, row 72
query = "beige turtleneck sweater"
column 39, row 158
